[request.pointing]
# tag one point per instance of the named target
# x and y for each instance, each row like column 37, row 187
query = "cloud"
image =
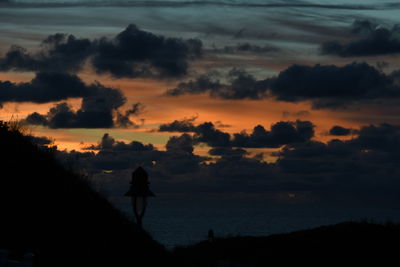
column 359, row 170
column 385, row 137
column 96, row 111
column 248, row 48
column 340, row 131
column 46, row 87
column 180, row 144
column 185, row 125
column 118, row 155
column 136, row 53
column 207, row 133
column 196, row 4
column 123, row 120
column 373, row 40
column 99, row 108
column 331, row 85
column 300, row 113
column 108, row 144
column 241, row 85
column 227, row 151
column 325, row 86
column 36, row 119
column 281, row 133
column 132, row 53
column 59, row 52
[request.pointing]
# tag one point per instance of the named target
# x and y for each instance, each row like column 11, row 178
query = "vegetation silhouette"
column 53, row 213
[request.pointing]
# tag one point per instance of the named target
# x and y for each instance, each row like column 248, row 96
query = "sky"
column 298, row 99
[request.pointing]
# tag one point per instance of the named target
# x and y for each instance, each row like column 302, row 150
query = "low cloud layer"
column 361, row 170
column 131, row 53
column 281, row 133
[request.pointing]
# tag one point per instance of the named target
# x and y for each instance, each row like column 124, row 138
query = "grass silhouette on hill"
column 53, row 212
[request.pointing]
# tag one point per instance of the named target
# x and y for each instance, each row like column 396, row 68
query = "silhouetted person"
column 139, row 191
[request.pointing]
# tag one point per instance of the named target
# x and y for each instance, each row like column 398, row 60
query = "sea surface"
column 180, row 222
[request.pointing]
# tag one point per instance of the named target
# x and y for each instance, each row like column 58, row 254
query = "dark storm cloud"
column 241, row 85
column 96, row 111
column 46, row 87
column 326, row 86
column 372, row 40
column 340, row 131
column 132, row 53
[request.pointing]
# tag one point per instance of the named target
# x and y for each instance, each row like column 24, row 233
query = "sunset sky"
column 75, row 70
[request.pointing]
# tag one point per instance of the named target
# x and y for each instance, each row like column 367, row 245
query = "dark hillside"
column 52, row 212
column 346, row 244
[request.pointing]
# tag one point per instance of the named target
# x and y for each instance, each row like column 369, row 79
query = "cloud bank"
column 361, row 170
column 372, row 40
column 325, row 86
column 131, row 53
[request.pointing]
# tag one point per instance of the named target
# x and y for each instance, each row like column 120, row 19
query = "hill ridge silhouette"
column 54, row 213
column 343, row 244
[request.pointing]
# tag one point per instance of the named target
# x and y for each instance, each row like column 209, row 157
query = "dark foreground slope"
column 346, row 244
column 53, row 213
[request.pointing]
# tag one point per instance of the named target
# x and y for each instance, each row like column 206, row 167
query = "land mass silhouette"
column 53, row 213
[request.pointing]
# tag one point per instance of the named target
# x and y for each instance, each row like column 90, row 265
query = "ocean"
column 182, row 221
